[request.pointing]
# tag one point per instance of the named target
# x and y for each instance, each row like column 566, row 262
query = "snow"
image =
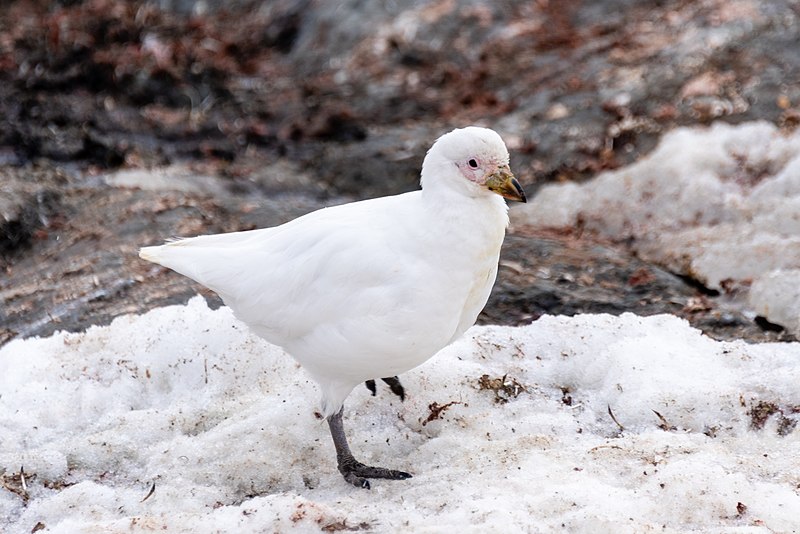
column 224, row 425
column 777, row 295
column 721, row 204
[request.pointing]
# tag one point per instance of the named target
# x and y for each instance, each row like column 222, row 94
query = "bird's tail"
column 172, row 253
column 151, row 254
column 214, row 260
column 176, row 255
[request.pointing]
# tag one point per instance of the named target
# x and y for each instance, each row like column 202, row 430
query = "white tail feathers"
column 150, row 254
column 157, row 254
column 183, row 256
column 214, row 261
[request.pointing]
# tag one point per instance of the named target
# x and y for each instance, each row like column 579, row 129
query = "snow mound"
column 589, row 423
column 721, row 204
column 777, row 295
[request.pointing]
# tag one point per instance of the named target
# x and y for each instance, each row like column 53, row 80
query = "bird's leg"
column 351, row 469
column 394, row 385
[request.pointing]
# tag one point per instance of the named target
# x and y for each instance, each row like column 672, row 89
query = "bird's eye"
column 473, row 163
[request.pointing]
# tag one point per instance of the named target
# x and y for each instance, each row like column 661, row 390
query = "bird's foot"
column 397, row 388
column 394, row 384
column 358, row 474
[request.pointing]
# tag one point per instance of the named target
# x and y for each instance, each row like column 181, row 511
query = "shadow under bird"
column 369, row 289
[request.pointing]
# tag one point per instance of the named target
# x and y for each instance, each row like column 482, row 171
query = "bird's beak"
column 504, row 184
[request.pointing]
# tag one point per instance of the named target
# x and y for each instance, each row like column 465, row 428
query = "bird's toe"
column 358, row 474
column 356, row 480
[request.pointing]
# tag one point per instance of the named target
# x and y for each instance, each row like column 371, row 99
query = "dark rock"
column 29, row 202
column 583, row 86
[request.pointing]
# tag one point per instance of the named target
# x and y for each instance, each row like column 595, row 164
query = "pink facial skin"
column 477, row 170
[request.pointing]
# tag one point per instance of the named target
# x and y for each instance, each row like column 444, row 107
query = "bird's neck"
column 458, row 204
column 454, row 211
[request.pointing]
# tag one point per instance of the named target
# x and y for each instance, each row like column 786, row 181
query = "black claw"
column 371, row 386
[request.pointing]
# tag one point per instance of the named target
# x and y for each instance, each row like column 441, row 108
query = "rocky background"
column 122, row 123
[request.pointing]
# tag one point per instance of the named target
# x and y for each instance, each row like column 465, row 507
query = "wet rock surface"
column 547, row 272
column 271, row 110
column 82, row 268
column 28, row 202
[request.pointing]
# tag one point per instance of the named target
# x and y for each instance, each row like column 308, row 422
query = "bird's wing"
column 352, row 274
column 356, row 277
column 232, row 263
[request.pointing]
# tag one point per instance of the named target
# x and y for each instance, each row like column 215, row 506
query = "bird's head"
column 473, row 160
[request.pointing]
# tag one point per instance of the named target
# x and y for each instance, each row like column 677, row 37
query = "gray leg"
column 351, row 469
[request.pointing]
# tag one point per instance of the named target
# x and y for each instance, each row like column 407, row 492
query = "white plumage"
column 374, row 288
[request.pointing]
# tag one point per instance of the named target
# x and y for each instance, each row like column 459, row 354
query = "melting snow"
column 223, row 424
column 721, row 204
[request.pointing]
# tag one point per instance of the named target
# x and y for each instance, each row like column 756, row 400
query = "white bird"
column 371, row 288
